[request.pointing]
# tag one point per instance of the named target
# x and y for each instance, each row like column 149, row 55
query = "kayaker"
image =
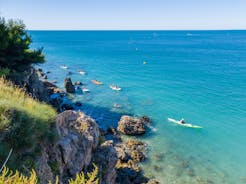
column 182, row 121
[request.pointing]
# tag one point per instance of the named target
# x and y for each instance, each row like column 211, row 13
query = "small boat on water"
column 85, row 90
column 64, row 67
column 96, row 82
column 117, row 106
column 182, row 123
column 115, row 88
column 81, row 72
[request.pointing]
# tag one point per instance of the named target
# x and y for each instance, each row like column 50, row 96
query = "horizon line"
column 136, row 29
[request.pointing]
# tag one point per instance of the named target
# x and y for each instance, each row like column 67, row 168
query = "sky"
column 127, row 14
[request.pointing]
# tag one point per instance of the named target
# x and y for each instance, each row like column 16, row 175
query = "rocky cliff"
column 30, row 82
column 76, row 148
column 79, row 143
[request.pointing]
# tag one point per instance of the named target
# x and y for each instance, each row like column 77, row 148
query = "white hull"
column 184, row 125
column 115, row 88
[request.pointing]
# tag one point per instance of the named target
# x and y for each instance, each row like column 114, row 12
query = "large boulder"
column 78, row 139
column 106, row 159
column 131, row 126
column 69, row 85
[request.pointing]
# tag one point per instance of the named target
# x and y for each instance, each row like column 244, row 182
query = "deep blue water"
column 197, row 75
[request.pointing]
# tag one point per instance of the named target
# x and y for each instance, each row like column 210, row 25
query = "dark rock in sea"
column 159, row 157
column 77, row 88
column 185, row 164
column 191, row 173
column 66, row 107
column 39, row 70
column 45, row 77
column 52, row 88
column 69, row 85
column 127, row 175
column 111, row 130
column 79, row 104
column 48, row 72
column 69, row 73
column 78, row 83
column 145, row 119
column 103, row 132
column 157, row 168
column 131, row 126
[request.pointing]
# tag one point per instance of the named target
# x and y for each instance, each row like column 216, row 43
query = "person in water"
column 182, row 121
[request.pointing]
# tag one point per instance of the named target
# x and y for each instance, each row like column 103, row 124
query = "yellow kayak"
column 96, row 82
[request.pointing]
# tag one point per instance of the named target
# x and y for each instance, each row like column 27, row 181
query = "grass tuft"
column 24, row 122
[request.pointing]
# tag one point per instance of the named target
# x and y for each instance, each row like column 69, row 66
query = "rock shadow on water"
column 107, row 118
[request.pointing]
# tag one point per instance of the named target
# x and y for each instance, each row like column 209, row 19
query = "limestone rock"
column 106, row 159
column 129, row 155
column 131, row 126
column 78, row 138
column 43, row 170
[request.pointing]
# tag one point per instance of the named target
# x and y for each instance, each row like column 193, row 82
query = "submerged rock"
column 129, row 155
column 67, row 106
column 131, row 126
column 69, row 85
column 79, row 104
column 153, row 181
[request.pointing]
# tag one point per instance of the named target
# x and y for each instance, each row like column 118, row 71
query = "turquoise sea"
column 196, row 75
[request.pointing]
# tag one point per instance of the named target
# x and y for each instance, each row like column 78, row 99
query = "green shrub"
column 4, row 72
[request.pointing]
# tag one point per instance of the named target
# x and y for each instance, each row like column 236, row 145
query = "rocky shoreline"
column 80, row 142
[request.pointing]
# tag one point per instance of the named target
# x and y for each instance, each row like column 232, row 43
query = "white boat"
column 115, row 88
column 117, row 106
column 64, row 67
column 182, row 124
column 85, row 90
column 82, row 72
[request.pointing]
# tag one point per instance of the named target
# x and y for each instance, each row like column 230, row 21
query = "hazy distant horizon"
column 127, row 14
column 136, row 30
